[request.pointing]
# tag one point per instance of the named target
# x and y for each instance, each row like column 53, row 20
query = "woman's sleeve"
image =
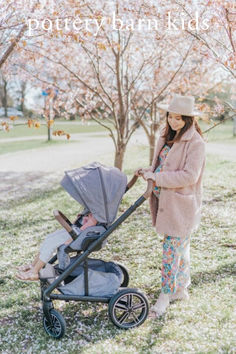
column 191, row 171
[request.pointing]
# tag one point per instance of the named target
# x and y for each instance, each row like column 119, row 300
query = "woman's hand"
column 149, row 175
column 140, row 171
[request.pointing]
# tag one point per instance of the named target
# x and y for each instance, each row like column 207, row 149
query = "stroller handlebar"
column 148, row 191
column 131, row 182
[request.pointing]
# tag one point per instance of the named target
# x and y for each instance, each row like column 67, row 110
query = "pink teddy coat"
column 177, row 211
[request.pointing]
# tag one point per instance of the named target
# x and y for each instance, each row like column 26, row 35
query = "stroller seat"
column 85, row 238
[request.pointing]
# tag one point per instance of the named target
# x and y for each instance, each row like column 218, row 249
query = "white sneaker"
column 161, row 305
column 181, row 294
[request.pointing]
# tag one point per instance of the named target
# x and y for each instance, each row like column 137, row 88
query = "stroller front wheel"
column 57, row 327
column 128, row 308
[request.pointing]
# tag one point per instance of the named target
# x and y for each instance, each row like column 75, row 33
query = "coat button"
column 161, row 209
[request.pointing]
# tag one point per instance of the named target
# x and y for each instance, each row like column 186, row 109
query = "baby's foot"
column 28, row 276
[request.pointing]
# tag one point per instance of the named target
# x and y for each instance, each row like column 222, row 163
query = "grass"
column 29, row 144
column 68, row 127
column 222, row 133
column 206, row 324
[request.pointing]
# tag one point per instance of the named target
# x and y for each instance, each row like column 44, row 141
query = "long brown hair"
column 170, row 133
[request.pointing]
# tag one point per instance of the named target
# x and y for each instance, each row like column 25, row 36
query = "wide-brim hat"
column 183, row 105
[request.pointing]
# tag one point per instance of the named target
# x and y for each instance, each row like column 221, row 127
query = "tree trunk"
column 49, row 133
column 23, row 93
column 5, row 97
column 152, row 140
column 234, row 126
column 119, row 157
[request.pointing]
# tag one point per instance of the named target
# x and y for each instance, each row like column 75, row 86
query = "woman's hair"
column 169, row 134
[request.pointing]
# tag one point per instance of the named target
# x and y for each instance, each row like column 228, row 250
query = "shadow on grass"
column 87, row 324
column 221, row 198
column 228, row 269
column 34, row 196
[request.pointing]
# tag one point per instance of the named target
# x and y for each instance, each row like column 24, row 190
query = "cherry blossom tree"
column 114, row 61
column 114, row 70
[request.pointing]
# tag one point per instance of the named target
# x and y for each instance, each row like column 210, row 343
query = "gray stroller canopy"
column 97, row 188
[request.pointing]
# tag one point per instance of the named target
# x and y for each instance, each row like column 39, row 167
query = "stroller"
column 99, row 189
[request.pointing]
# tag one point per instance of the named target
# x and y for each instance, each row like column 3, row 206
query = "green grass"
column 222, row 133
column 205, row 324
column 25, row 132
column 69, row 127
column 29, row 144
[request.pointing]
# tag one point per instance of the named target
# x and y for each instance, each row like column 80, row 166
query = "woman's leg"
column 170, row 264
column 175, row 270
column 183, row 279
column 175, row 264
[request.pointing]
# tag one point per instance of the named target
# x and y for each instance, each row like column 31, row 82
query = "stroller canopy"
column 97, row 188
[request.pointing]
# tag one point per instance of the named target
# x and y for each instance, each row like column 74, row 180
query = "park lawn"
column 71, row 127
column 221, row 133
column 14, row 146
column 10, row 147
column 205, row 324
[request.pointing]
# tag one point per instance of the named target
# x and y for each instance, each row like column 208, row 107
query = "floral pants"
column 175, row 273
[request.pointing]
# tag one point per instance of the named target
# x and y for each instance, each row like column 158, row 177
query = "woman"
column 176, row 171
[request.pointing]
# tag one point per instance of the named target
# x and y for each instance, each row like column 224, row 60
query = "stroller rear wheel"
column 57, row 327
column 128, row 308
column 125, row 282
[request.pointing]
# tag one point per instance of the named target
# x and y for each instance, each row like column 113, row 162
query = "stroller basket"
column 104, row 279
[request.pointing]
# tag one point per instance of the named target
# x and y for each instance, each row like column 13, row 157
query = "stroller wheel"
column 128, row 308
column 57, row 328
column 125, row 282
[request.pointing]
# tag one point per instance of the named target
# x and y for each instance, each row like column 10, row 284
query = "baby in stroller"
column 30, row 272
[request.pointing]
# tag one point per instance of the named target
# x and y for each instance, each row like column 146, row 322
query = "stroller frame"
column 52, row 319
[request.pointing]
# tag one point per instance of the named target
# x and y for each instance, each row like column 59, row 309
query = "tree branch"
column 16, row 40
